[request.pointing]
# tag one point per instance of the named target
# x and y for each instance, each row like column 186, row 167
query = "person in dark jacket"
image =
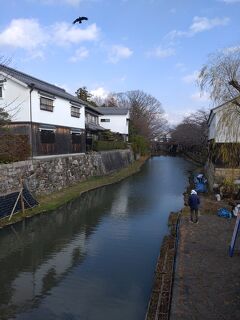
column 193, row 202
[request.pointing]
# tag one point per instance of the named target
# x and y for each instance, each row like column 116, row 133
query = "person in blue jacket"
column 193, row 202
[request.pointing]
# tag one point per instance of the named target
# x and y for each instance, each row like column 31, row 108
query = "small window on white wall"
column 105, row 120
column 1, row 91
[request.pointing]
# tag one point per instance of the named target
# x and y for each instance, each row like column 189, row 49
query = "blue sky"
column 157, row 46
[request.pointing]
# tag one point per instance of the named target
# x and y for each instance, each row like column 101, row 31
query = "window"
column 76, row 138
column 46, row 104
column 91, row 119
column 1, row 91
column 105, row 120
column 47, row 136
column 75, row 112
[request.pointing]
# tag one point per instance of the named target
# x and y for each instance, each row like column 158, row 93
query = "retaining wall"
column 217, row 175
column 48, row 174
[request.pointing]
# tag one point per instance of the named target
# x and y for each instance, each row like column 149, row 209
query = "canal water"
column 94, row 258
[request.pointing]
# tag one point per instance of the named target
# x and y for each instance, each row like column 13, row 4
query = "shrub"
column 140, row 145
column 14, row 148
column 108, row 145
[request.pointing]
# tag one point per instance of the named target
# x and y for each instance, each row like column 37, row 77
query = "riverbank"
column 195, row 278
column 50, row 202
column 206, row 279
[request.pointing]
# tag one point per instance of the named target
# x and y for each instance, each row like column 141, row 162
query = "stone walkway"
column 207, row 281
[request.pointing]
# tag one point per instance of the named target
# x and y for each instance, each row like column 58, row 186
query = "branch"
column 235, row 84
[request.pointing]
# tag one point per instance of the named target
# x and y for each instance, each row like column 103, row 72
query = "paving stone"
column 207, row 281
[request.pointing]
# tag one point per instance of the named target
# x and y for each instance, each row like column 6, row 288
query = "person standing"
column 193, row 202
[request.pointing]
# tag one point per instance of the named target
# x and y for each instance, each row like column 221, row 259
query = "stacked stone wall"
column 217, row 175
column 50, row 174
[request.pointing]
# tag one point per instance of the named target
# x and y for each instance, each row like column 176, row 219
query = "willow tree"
column 220, row 76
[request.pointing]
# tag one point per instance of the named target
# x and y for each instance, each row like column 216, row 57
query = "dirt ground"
column 206, row 279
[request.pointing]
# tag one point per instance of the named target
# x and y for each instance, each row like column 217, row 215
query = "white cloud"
column 24, row 33
column 201, row 24
column 31, row 36
column 230, row 50
column 200, row 97
column 79, row 54
column 100, row 92
column 161, row 53
column 198, row 25
column 191, row 78
column 65, row 33
column 230, row 1
column 174, row 118
column 118, row 52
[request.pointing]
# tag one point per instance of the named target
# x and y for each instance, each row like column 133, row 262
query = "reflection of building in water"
column 36, row 255
column 48, row 273
column 120, row 201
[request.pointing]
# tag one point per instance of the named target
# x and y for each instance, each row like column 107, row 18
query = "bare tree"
column 4, row 115
column 110, row 101
column 146, row 113
column 192, row 133
column 221, row 76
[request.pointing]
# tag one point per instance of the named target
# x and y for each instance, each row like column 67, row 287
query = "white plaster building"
column 53, row 119
column 224, row 123
column 224, row 129
column 115, row 119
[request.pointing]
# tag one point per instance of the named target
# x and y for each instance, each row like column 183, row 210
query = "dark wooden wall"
column 63, row 141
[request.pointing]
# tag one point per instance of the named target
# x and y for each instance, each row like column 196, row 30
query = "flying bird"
column 80, row 19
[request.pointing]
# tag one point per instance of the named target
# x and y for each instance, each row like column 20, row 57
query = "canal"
column 94, row 258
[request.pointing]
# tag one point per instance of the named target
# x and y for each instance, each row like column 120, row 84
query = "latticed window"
column 46, row 104
column 75, row 112
column 91, row 118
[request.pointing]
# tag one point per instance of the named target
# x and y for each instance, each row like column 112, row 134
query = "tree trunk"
column 235, row 84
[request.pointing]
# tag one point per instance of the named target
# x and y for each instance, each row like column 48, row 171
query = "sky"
column 156, row 46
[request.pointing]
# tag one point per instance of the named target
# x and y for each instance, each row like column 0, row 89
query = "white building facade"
column 224, row 124
column 53, row 119
column 116, row 120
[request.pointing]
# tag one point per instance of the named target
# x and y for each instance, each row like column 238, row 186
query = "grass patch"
column 50, row 202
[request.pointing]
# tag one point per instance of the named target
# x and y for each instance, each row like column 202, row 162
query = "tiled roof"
column 113, row 111
column 90, row 108
column 94, row 127
column 39, row 84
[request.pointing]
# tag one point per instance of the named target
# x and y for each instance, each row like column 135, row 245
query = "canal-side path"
column 206, row 280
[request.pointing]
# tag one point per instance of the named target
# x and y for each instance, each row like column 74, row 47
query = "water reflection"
column 93, row 258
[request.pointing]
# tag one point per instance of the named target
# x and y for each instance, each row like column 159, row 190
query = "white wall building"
column 224, row 124
column 115, row 119
column 53, row 119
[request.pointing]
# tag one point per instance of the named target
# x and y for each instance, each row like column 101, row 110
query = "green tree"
column 83, row 94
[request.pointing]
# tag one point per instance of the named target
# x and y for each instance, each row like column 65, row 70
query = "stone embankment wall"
column 217, row 175
column 49, row 174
